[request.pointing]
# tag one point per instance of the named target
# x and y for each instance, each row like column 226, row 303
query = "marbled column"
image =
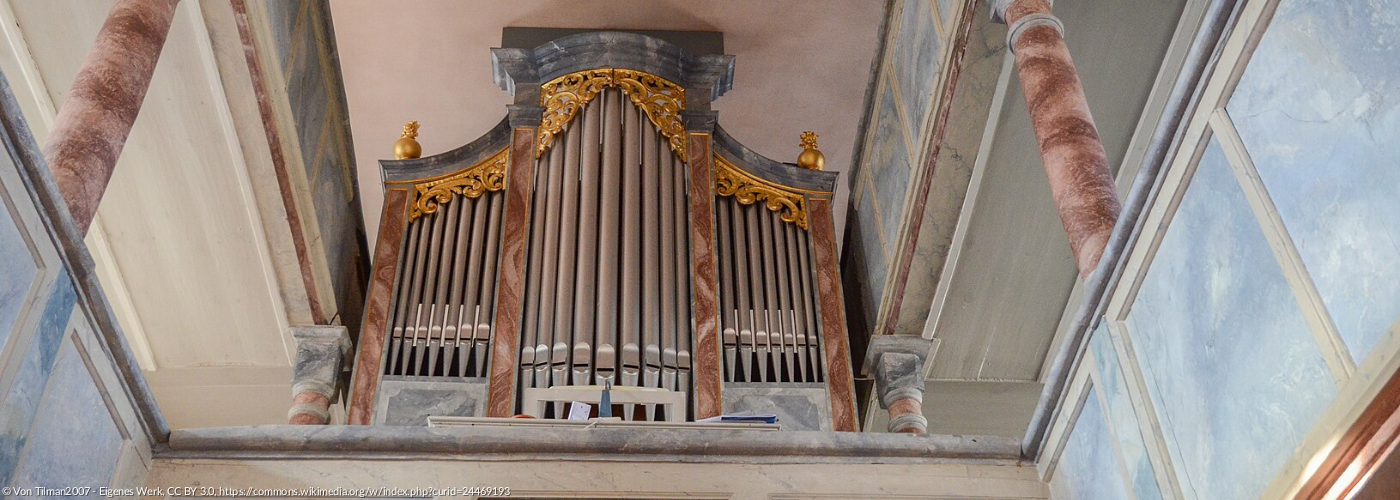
column 505, row 344
column 897, row 363
column 708, row 371
column 95, row 119
column 840, row 385
column 321, row 351
column 1080, row 179
column 365, row 381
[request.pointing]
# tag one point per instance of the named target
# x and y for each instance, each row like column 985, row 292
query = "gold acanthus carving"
column 563, row 97
column 660, row 99
column 472, row 182
column 748, row 189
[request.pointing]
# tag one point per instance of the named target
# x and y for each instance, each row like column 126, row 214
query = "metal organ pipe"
column 666, row 233
column 608, row 242
column 729, row 336
column 549, row 271
column 786, row 337
column 651, row 262
column 804, row 255
column 488, row 285
column 743, row 288
column 631, row 246
column 681, row 220
column 759, row 340
column 471, row 318
column 568, row 243
column 584, row 304
column 454, row 254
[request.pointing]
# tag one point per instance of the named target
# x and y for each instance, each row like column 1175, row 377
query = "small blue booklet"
column 744, row 416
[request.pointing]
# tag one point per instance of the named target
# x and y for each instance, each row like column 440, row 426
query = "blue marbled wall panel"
column 311, row 69
column 1233, row 370
column 948, row 12
column 888, row 161
column 17, row 271
column 77, row 442
column 1088, row 469
column 21, row 404
column 874, row 266
column 915, row 61
column 1121, row 416
column 1319, row 111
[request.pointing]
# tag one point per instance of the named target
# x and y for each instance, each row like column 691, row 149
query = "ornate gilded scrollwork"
column 472, row 182
column 747, row 189
column 563, row 97
column 660, row 99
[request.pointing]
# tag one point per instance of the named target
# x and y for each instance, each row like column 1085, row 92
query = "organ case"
column 607, row 231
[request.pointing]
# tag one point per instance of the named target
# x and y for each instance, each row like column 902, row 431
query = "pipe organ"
column 608, row 231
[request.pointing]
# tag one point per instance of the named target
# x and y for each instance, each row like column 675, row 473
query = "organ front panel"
column 609, row 281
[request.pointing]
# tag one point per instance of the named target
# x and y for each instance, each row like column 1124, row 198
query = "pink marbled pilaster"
column 505, row 346
column 708, row 375
column 840, row 387
column 365, row 377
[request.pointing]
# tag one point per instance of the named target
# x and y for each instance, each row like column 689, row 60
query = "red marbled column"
column 1070, row 148
column 310, row 408
column 95, row 119
column 505, row 344
column 708, row 370
column 370, row 352
column 840, row 386
column 908, row 406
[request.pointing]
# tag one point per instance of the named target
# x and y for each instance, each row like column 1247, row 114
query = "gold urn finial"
column 407, row 147
column 811, row 158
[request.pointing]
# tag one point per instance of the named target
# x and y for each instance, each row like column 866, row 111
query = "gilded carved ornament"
column 748, row 189
column 563, row 97
column 472, row 182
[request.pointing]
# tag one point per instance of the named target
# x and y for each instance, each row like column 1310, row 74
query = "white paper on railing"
column 579, row 411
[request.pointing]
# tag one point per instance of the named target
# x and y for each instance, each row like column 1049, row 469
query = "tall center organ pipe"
column 608, row 278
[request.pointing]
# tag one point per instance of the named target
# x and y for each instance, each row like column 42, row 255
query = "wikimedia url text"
column 220, row 491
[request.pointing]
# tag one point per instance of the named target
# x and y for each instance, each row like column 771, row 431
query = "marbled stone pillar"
column 93, row 122
column 1080, row 179
column 320, row 352
column 897, row 363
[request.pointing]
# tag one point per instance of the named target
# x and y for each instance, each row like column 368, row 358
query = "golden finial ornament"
column 811, row 158
column 407, row 147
